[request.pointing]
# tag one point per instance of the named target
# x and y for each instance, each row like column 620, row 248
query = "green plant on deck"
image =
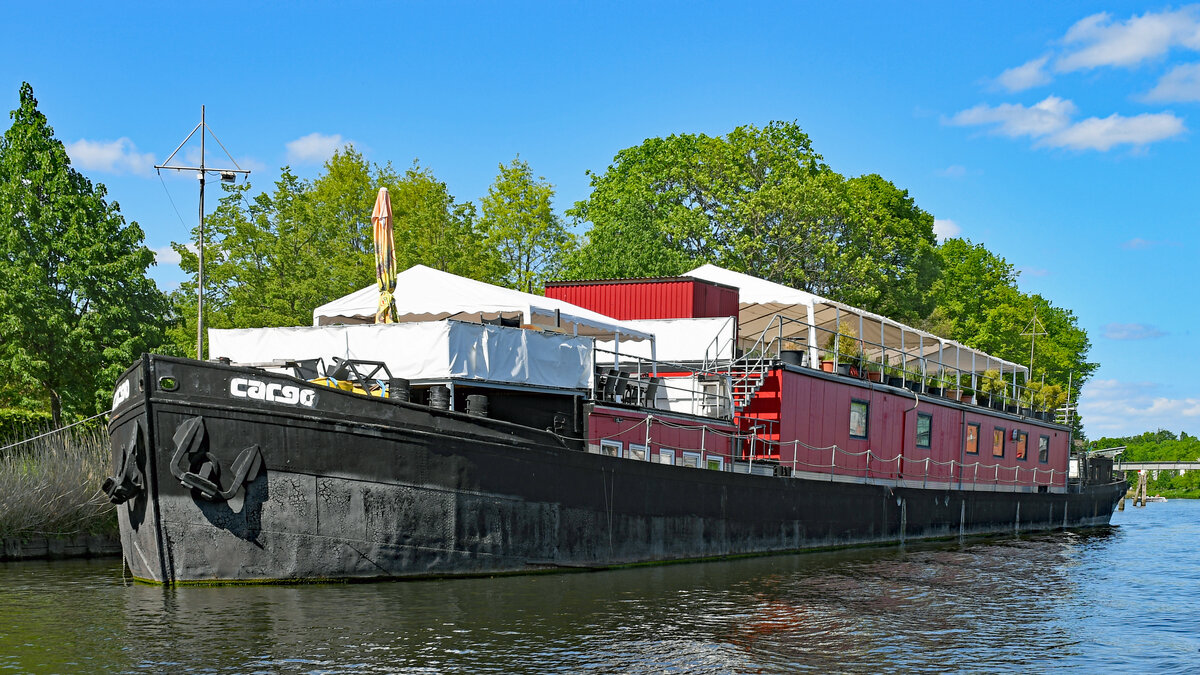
column 991, row 384
column 51, row 486
column 844, row 345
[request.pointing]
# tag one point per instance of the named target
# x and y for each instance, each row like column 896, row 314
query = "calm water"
column 1125, row 598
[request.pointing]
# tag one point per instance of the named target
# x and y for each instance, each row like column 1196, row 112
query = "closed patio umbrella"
column 385, row 257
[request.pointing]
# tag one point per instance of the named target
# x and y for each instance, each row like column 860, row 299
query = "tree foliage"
column 271, row 260
column 520, row 224
column 760, row 201
column 980, row 305
column 76, row 306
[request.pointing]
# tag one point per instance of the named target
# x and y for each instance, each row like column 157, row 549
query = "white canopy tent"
column 425, row 294
column 814, row 318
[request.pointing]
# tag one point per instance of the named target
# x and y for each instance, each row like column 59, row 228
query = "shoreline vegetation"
column 50, row 487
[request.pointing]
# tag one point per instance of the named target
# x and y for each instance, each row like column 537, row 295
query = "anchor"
column 128, row 482
column 202, row 470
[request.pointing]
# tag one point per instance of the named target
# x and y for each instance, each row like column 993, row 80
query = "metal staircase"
column 746, row 378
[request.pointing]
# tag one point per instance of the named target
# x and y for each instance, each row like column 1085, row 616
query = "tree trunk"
column 56, row 409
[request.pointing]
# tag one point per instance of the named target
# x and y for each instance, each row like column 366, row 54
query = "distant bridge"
column 1156, row 466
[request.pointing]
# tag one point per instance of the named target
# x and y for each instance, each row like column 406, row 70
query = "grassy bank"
column 51, row 487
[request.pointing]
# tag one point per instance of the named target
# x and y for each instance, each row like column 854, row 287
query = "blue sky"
column 1061, row 135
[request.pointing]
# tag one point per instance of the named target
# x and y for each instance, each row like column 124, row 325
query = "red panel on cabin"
column 667, row 298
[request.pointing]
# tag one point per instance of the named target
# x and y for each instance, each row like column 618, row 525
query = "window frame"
column 967, row 441
column 1022, row 446
column 688, row 454
column 608, row 443
column 928, row 431
column 1043, row 457
column 709, row 458
column 1003, row 439
column 632, row 447
column 666, row 453
column 866, row 417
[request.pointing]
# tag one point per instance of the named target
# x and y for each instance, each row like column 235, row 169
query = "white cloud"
column 1013, row 119
column 1025, row 76
column 1182, row 83
column 1103, row 134
column 1097, row 40
column 119, row 156
column 314, row 148
column 1050, row 122
column 1139, row 244
column 1131, row 331
column 944, row 228
column 953, row 171
column 1115, row 408
column 165, row 255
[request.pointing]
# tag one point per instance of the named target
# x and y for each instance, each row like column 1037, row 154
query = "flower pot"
column 967, row 398
column 1010, row 409
column 792, row 357
column 955, row 394
column 894, row 381
column 874, row 376
column 826, row 366
column 933, row 391
column 1027, row 412
column 997, row 404
column 914, row 387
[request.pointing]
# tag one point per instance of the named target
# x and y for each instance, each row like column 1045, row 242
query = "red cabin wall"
column 677, row 433
column 816, row 411
column 677, row 298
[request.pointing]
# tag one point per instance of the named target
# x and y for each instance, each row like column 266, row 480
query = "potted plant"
column 894, row 376
column 873, row 370
column 1054, row 398
column 991, row 384
column 842, row 348
column 954, row 389
column 1031, row 398
column 932, row 385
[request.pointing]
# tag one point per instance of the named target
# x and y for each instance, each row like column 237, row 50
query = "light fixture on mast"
column 227, row 176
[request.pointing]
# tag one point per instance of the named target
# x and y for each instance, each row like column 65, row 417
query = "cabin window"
column 666, row 456
column 1022, row 441
column 858, row 418
column 636, row 452
column 691, row 459
column 1044, row 449
column 972, row 439
column 998, row 442
column 715, row 462
column 924, row 430
column 610, row 448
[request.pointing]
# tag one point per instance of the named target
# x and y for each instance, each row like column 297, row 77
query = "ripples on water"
column 1106, row 600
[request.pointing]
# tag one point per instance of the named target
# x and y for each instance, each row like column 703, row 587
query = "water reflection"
column 994, row 605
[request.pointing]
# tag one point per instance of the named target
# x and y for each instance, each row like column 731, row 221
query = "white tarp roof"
column 425, row 294
column 679, row 340
column 760, row 300
column 423, row 351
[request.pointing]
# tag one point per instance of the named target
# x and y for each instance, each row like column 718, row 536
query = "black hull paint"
column 367, row 488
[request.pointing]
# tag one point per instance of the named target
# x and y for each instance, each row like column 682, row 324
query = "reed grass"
column 51, row 486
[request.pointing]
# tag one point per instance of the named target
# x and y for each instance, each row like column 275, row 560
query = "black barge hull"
column 287, row 481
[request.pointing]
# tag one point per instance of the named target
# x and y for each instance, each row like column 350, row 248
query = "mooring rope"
column 52, row 432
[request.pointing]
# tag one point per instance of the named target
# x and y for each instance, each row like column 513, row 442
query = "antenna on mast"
column 227, row 176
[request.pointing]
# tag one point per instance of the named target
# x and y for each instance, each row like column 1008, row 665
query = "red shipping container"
column 662, row 298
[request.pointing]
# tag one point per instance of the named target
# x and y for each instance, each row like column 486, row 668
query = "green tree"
column 981, row 306
column 760, row 201
column 432, row 229
column 76, row 306
column 519, row 223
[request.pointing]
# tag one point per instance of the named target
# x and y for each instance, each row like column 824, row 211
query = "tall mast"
column 227, row 176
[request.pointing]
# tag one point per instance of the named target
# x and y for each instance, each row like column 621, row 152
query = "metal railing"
column 918, row 370
column 846, row 464
column 707, row 392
